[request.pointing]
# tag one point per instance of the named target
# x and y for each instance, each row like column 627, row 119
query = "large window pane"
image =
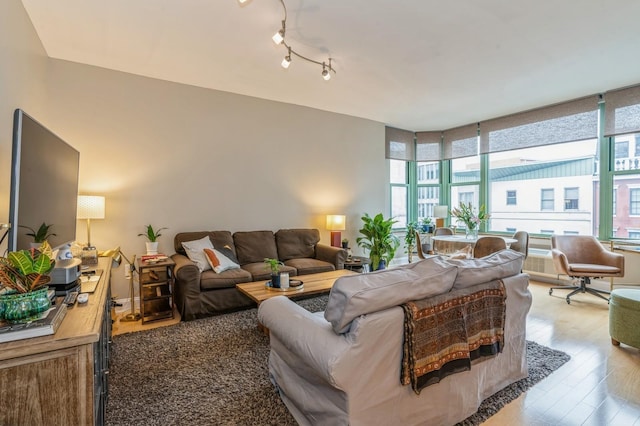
column 556, row 189
column 398, row 177
column 428, row 180
column 626, row 187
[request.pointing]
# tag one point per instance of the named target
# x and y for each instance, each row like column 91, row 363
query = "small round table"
column 358, row 264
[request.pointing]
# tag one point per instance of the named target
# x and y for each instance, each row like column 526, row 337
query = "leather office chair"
column 486, row 245
column 435, row 244
column 582, row 257
column 522, row 243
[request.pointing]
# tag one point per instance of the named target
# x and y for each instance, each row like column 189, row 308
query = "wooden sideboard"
column 61, row 379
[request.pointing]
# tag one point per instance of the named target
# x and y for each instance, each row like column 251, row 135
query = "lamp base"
column 336, row 239
column 439, row 222
column 131, row 317
column 89, row 255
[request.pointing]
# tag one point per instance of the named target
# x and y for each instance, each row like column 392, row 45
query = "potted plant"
column 39, row 236
column 378, row 238
column 345, row 243
column 152, row 235
column 466, row 214
column 274, row 266
column 23, row 280
column 410, row 239
column 427, row 225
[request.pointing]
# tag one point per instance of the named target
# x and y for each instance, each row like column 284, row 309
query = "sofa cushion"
column 498, row 265
column 310, row 266
column 209, row 280
column 195, row 252
column 297, row 243
column 355, row 295
column 255, row 246
column 260, row 271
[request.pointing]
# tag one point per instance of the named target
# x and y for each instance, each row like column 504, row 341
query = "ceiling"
column 412, row 64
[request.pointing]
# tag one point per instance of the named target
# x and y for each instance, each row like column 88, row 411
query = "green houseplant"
column 410, row 239
column 41, row 235
column 152, row 235
column 274, row 266
column 23, row 280
column 377, row 237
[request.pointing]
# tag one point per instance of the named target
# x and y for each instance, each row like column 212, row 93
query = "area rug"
column 214, row 372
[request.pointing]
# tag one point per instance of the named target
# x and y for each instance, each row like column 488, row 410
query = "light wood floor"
column 600, row 385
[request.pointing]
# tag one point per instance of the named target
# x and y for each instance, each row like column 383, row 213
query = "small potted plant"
column 274, row 266
column 152, row 235
column 39, row 236
column 345, row 243
column 427, row 225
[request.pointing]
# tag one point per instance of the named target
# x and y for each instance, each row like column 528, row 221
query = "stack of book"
column 47, row 324
column 153, row 258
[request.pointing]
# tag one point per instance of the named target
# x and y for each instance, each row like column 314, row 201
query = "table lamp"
column 440, row 213
column 90, row 207
column 335, row 224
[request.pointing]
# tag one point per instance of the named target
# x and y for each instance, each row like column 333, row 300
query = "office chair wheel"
column 568, row 300
column 550, row 291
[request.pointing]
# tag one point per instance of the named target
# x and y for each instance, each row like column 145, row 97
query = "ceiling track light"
column 279, row 39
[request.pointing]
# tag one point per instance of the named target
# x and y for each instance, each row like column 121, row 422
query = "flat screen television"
column 44, row 184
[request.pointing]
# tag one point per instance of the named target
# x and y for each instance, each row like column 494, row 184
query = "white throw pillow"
column 219, row 262
column 195, row 252
column 498, row 265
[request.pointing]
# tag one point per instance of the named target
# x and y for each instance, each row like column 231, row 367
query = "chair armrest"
column 560, row 262
column 187, row 274
column 309, row 337
column 613, row 259
column 334, row 255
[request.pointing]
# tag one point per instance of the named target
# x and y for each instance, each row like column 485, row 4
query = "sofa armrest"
column 310, row 337
column 334, row 255
column 187, row 274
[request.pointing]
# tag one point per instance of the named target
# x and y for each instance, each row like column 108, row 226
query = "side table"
column 156, row 289
column 358, row 264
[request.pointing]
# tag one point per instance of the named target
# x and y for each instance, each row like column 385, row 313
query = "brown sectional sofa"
column 201, row 294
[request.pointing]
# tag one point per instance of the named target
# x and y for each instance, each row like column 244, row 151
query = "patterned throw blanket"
column 443, row 334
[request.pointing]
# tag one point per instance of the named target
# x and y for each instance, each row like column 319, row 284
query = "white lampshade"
column 441, row 211
column 90, row 207
column 336, row 222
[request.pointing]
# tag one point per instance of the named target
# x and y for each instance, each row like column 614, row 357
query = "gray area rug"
column 214, row 372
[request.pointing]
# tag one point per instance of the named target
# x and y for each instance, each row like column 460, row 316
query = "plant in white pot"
column 152, row 235
column 39, row 236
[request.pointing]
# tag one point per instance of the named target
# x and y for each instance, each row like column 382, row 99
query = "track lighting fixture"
column 279, row 39
column 287, row 60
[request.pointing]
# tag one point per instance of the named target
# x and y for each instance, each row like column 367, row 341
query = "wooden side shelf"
column 156, row 290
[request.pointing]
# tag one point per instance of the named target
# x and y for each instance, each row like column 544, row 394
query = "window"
column 571, row 198
column 546, row 199
column 428, row 183
column 634, row 235
column 511, row 198
column 547, row 231
column 570, row 232
column 398, row 177
column 622, row 149
column 615, row 202
column 511, row 230
column 634, row 201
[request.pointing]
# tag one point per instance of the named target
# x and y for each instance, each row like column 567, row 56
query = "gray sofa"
column 343, row 366
column 199, row 294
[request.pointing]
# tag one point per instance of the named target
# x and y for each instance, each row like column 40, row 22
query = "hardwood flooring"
column 600, row 385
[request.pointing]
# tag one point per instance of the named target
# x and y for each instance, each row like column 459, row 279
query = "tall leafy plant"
column 410, row 238
column 377, row 237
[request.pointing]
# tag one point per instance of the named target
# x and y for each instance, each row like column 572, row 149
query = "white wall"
column 23, row 66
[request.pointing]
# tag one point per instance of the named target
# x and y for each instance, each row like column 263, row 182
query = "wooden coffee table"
column 312, row 284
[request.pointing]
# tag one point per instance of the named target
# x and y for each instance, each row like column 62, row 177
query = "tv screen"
column 44, row 184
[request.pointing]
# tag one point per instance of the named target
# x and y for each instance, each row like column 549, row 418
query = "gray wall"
column 187, row 158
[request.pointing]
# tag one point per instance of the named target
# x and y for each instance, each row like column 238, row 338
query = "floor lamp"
column 133, row 315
